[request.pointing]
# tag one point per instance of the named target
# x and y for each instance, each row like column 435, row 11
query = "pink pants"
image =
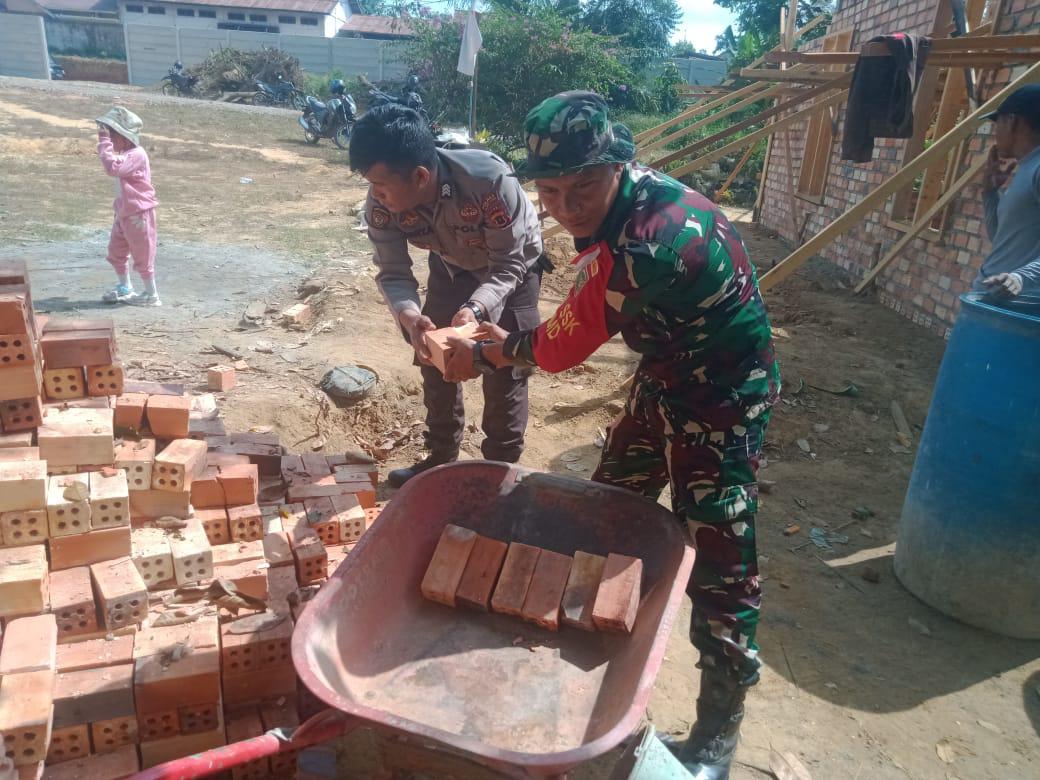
column 134, row 236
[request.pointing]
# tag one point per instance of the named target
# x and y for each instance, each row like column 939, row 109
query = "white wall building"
column 322, row 18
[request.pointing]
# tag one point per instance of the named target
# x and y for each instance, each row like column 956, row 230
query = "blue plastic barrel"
column 969, row 536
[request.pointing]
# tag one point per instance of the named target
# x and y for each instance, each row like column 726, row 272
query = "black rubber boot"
column 708, row 752
column 398, row 477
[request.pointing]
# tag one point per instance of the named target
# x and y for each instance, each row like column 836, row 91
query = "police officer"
column 485, row 258
column 662, row 266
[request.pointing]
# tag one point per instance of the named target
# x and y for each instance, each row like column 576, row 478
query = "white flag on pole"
column 471, row 43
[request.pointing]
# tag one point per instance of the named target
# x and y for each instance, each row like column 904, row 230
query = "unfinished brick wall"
column 924, row 282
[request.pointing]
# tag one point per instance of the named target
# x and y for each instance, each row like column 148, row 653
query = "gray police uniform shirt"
column 1013, row 225
column 482, row 222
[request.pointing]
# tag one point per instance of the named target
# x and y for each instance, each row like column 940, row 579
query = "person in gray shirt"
column 1013, row 214
column 466, row 208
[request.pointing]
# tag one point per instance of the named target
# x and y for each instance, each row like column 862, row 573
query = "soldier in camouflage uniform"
column 662, row 266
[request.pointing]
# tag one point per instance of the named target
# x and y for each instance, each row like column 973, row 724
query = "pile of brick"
column 152, row 565
column 547, row 588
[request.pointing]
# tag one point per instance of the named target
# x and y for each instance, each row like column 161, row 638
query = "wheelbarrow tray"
column 506, row 692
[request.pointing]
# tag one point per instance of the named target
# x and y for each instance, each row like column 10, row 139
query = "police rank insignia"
column 469, row 212
column 380, row 218
column 447, row 190
column 495, row 211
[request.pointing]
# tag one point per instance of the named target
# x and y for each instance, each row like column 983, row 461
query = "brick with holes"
column 617, row 599
column 68, row 504
column 64, row 384
column 107, row 736
column 18, row 349
column 129, row 411
column 136, row 458
column 24, row 526
column 150, row 552
column 281, row 583
column 240, row 483
column 168, row 416
column 548, row 583
column 105, row 380
column 206, row 490
column 18, row 454
column 354, row 473
column 238, row 552
column 240, row 727
column 164, row 682
column 12, row 440
column 88, row 344
column 251, row 688
column 448, row 563
column 109, row 499
column 23, row 485
column 481, row 573
column 192, row 554
column 121, row 762
column 278, row 549
column 68, row 743
column 245, row 523
column 515, row 579
column 199, row 718
column 220, row 379
column 250, row 576
column 281, row 716
column 158, row 725
column 323, row 520
column 22, row 414
column 21, row 382
column 176, row 466
column 69, row 437
column 215, row 524
column 121, row 593
column 26, row 715
column 154, row 504
column 312, row 562
column 162, row 750
column 29, row 645
column 350, row 516
column 249, row 650
column 91, row 547
column 72, row 602
column 94, row 695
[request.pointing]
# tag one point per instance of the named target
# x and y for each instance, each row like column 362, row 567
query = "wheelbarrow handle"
column 326, row 725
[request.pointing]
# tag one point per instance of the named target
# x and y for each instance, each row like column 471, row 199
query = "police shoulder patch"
column 495, row 211
column 380, row 217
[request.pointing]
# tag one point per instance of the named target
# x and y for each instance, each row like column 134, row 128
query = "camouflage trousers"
column 708, row 451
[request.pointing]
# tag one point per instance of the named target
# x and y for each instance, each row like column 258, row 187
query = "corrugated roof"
column 360, row 24
column 294, row 6
column 80, row 6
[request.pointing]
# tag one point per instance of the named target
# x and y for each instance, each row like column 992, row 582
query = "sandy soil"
column 850, row 685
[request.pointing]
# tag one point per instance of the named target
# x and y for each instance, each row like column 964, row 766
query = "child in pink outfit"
column 133, row 231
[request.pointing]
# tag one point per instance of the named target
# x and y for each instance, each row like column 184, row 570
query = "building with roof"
column 387, row 28
column 319, row 18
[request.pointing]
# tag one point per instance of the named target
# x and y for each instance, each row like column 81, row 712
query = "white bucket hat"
column 124, row 122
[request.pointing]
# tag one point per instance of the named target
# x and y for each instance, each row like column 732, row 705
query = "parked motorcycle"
column 179, row 82
column 57, row 72
column 282, row 93
column 334, row 119
column 409, row 98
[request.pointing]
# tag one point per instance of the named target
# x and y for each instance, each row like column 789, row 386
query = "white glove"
column 1008, row 284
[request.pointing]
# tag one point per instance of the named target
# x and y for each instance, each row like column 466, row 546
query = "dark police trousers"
column 505, row 390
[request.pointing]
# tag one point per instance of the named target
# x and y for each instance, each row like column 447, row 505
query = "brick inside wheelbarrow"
column 370, row 645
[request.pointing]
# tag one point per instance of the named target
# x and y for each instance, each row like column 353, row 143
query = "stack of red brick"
column 109, row 504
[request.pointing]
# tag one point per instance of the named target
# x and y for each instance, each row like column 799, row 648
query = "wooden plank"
column 797, row 76
column 894, row 183
column 779, row 108
column 925, row 219
column 954, row 99
column 697, row 110
column 667, row 139
column 733, row 174
column 740, row 143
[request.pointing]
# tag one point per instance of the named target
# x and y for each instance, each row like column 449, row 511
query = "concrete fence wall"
column 86, row 37
column 152, row 49
column 23, row 46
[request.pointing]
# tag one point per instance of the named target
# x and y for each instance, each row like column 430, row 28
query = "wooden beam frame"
column 900, row 179
column 699, row 109
column 772, row 127
column 841, row 82
column 925, row 220
column 797, row 76
column 733, row 174
column 673, row 136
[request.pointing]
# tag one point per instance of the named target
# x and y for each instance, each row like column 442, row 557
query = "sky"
column 702, row 21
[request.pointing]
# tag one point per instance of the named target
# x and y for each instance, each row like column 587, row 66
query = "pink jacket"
column 136, row 193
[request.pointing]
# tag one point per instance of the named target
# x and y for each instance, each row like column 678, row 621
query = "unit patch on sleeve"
column 380, row 217
column 495, row 211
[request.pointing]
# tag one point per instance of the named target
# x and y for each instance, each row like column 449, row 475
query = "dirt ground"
column 861, row 680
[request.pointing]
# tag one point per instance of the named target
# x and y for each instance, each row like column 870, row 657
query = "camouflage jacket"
column 668, row 271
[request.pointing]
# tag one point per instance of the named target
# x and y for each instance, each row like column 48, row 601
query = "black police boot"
column 708, row 752
column 398, row 477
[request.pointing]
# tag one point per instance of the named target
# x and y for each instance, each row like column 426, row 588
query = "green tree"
column 524, row 60
column 758, row 26
column 640, row 25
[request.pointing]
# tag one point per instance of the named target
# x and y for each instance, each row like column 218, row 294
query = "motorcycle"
column 282, row 93
column 409, row 99
column 178, row 82
column 334, row 119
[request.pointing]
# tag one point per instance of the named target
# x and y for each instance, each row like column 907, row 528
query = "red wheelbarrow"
column 506, row 694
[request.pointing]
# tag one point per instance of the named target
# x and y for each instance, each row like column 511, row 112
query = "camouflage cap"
column 571, row 131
